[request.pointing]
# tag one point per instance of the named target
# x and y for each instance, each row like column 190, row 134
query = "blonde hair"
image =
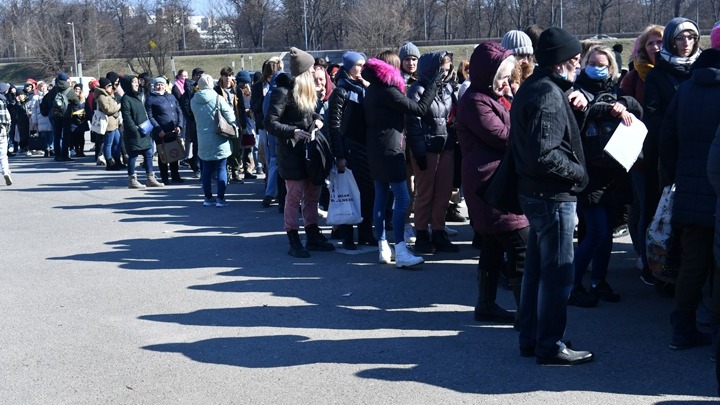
column 304, row 92
column 639, row 52
column 391, row 58
column 613, row 70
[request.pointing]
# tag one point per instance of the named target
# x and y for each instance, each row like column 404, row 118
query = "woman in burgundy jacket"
column 483, row 127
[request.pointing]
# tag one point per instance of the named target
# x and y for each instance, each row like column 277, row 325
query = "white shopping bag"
column 344, row 208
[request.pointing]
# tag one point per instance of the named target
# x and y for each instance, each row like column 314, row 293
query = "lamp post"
column 72, row 24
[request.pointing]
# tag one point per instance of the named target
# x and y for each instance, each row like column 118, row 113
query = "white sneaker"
column 386, row 253
column 101, row 161
column 8, row 179
column 409, row 234
column 404, row 258
column 450, row 231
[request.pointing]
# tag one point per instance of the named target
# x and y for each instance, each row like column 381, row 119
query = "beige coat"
column 109, row 106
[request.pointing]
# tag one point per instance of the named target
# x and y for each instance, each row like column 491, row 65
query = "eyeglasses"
column 691, row 38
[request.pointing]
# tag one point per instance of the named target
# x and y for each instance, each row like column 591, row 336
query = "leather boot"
column 348, row 237
column 422, row 243
column 152, row 181
column 442, row 243
column 133, row 182
column 486, row 309
column 296, row 246
column 365, row 235
column 315, row 240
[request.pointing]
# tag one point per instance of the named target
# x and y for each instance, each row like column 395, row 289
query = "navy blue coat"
column 165, row 114
column 688, row 132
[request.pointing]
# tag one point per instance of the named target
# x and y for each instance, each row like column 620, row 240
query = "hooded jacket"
column 41, row 122
column 689, row 128
column 429, row 132
column 61, row 86
column 545, row 139
column 483, row 129
column 107, row 104
column 165, row 114
column 134, row 114
column 211, row 146
column 282, row 119
column 385, row 106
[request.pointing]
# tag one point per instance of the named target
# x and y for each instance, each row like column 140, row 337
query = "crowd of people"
column 420, row 136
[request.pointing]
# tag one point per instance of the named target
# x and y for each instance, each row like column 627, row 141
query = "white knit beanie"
column 518, row 42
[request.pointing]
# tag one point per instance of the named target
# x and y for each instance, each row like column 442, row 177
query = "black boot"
column 348, row 237
column 453, row 214
column 516, row 286
column 315, row 240
column 486, row 309
column 296, row 246
column 685, row 332
column 365, row 235
column 422, row 243
column 442, row 243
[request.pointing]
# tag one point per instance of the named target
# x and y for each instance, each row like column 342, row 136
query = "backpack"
column 60, row 104
column 45, row 105
column 596, row 134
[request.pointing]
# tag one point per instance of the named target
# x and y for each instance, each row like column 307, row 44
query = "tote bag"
column 99, row 122
column 222, row 127
column 170, row 152
column 344, row 207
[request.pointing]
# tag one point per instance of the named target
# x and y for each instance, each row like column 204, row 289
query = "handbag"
column 659, row 236
column 146, row 127
column 170, row 152
column 344, row 207
column 99, row 122
column 501, row 190
column 222, row 127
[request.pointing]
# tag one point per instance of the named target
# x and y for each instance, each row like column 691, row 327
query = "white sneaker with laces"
column 386, row 253
column 404, row 258
column 409, row 234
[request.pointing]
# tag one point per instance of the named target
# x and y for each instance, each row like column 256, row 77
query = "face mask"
column 595, row 72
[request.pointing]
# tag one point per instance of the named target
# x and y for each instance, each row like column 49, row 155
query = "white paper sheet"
column 626, row 143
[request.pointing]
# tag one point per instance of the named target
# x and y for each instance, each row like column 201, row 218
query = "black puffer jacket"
column 385, row 108
column 346, row 92
column 133, row 113
column 282, row 119
column 545, row 139
column 688, row 131
column 429, row 133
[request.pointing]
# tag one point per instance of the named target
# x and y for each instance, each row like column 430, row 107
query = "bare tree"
column 374, row 24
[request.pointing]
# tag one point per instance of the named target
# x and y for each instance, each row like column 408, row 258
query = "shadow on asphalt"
column 353, row 293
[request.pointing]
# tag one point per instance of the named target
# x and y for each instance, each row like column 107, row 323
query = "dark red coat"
column 483, row 127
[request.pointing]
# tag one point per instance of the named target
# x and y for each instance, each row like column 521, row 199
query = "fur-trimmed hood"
column 379, row 72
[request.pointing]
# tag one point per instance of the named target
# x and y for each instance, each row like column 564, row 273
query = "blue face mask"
column 597, row 73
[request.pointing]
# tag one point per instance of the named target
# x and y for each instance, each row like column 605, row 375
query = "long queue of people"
column 420, row 135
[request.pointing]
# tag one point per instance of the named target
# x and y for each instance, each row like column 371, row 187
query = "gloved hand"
column 438, row 78
column 421, row 162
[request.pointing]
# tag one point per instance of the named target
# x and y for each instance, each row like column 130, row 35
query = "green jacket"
column 134, row 114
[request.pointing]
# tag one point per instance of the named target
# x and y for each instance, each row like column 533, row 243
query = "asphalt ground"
column 119, row 296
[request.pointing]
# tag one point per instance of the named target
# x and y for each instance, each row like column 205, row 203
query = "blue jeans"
column 46, row 137
column 402, row 202
column 548, row 276
column 271, row 171
column 210, row 168
column 596, row 246
column 111, row 145
column 147, row 160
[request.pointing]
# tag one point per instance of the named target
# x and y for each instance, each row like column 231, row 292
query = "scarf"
column 678, row 60
column 180, row 83
column 642, row 68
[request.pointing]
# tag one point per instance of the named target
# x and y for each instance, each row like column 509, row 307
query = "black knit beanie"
column 555, row 46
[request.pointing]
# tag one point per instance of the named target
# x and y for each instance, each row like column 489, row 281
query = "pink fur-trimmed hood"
column 377, row 71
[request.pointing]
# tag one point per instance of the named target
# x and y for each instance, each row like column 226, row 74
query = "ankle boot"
column 110, row 164
column 133, row 181
column 404, row 258
column 152, row 181
column 442, row 243
column 685, row 333
column 422, row 243
column 315, row 240
column 486, row 309
column 365, row 235
column 348, row 237
column 296, row 246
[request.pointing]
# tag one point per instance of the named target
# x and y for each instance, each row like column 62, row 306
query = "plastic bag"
column 344, row 207
column 659, row 235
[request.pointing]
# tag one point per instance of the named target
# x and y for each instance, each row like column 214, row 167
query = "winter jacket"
column 689, row 128
column 185, row 101
column 546, row 144
column 634, row 86
column 483, row 128
column 257, row 95
column 385, row 106
column 37, row 120
column 429, row 133
column 134, row 114
column 4, row 116
column 60, row 86
column 609, row 185
column 347, row 92
column 238, row 104
column 282, row 119
column 165, row 115
column 109, row 106
column 211, row 146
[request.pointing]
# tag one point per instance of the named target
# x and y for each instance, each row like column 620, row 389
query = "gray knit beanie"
column 409, row 49
column 518, row 42
column 300, row 61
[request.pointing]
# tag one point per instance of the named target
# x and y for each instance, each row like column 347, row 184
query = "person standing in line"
column 4, row 128
column 164, row 113
column 111, row 141
column 550, row 166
